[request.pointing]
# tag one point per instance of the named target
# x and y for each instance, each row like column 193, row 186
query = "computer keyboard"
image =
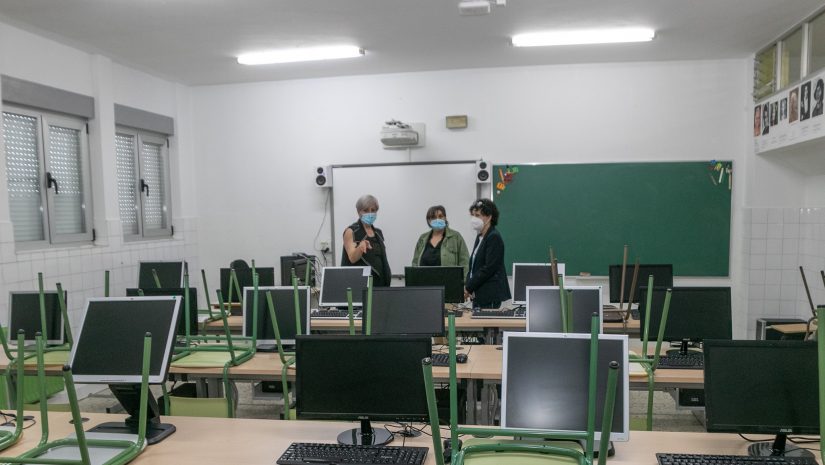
column 694, row 361
column 520, row 312
column 443, row 360
column 301, row 453
column 334, row 314
column 700, row 459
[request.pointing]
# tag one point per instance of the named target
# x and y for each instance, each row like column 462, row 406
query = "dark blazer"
column 489, row 277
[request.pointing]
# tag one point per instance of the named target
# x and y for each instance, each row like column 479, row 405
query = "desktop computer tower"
column 763, row 332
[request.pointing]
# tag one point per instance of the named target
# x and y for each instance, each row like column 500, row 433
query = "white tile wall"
column 80, row 269
column 782, row 240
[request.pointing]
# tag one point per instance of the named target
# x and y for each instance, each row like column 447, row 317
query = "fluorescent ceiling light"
column 300, row 54
column 583, row 36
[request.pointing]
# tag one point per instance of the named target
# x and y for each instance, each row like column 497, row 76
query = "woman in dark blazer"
column 486, row 282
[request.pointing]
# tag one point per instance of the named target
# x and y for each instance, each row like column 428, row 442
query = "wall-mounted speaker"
column 323, row 176
column 482, row 171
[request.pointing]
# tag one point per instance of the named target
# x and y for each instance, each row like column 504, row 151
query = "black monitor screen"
column 109, row 346
column 662, row 277
column 765, row 387
column 545, row 382
column 355, row 377
column 450, row 277
column 406, row 310
column 266, row 277
column 695, row 314
column 170, row 274
column 283, row 301
column 299, row 263
column 529, row 274
column 336, row 279
column 544, row 308
column 193, row 305
column 25, row 314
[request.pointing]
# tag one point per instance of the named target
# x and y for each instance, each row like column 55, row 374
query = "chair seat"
column 198, row 407
column 519, row 458
column 205, row 359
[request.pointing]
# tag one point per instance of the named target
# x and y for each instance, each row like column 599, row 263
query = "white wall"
column 260, row 142
column 81, row 268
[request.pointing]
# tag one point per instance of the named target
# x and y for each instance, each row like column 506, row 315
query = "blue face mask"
column 438, row 223
column 368, row 218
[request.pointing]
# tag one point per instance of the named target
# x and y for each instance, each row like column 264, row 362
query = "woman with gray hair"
column 364, row 243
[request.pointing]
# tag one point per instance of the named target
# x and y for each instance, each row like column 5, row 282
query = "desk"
column 466, row 323
column 792, row 328
column 235, row 324
column 254, row 442
column 484, row 365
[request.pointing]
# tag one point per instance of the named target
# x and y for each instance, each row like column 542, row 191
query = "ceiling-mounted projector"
column 478, row 7
column 398, row 135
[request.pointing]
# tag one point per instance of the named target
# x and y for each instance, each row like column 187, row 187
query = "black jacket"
column 488, row 277
column 358, row 234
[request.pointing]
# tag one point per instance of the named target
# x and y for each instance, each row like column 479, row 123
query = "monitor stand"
column 778, row 448
column 357, row 437
column 611, row 451
column 129, row 397
column 684, row 348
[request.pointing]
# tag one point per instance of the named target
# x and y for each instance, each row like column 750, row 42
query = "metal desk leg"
column 470, row 406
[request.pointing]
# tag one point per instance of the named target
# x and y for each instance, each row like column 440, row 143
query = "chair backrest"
column 239, row 264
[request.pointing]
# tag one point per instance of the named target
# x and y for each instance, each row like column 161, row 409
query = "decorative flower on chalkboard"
column 505, row 177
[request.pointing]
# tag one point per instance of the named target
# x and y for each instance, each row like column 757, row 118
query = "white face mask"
column 477, row 223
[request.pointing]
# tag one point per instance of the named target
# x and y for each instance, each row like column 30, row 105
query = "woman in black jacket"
column 486, row 282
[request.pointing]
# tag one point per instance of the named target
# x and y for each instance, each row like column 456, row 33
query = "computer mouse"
column 461, row 358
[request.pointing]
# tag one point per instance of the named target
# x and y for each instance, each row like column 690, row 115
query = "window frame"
column 45, row 119
column 139, row 137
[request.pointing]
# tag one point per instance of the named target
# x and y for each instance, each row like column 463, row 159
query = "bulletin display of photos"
column 791, row 116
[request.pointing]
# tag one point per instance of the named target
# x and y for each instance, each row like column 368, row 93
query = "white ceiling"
column 196, row 41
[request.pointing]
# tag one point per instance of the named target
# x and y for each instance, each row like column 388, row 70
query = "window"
column 764, row 72
column 791, row 59
column 816, row 43
column 47, row 169
column 143, row 184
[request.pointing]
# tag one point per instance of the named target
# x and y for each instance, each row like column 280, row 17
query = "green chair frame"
column 583, row 457
column 19, row 385
column 226, row 343
column 131, row 449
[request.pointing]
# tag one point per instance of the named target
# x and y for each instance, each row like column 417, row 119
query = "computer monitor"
column 108, row 349
column 662, row 277
column 450, row 277
column 172, row 291
column 170, row 274
column 406, row 310
column 334, row 283
column 361, row 378
column 24, row 313
column 266, row 277
column 695, row 314
column 283, row 299
column 545, row 382
column 299, row 262
column 762, row 387
column 531, row 274
column 544, row 308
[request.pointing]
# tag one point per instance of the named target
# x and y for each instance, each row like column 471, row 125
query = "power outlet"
column 324, row 246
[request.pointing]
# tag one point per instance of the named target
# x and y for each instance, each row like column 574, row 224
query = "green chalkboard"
column 666, row 212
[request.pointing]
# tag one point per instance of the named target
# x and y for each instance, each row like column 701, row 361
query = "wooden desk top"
column 791, row 328
column 235, row 322
column 254, row 442
column 466, row 323
column 268, row 366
